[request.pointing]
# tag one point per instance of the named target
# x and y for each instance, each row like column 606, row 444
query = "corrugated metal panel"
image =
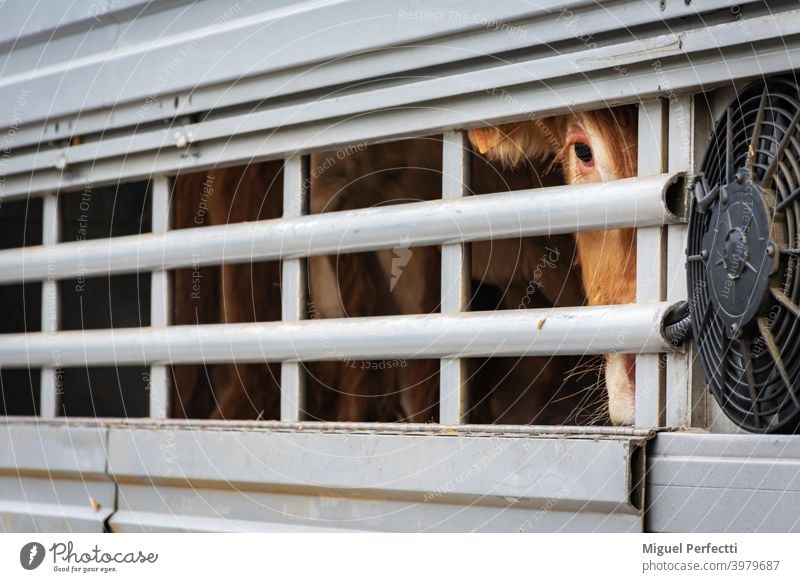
column 544, row 82
column 226, row 480
column 141, row 54
column 723, row 483
column 54, row 479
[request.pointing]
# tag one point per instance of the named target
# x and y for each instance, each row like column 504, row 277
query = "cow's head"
column 589, row 147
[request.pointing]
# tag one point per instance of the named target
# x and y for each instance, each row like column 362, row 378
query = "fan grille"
column 750, row 351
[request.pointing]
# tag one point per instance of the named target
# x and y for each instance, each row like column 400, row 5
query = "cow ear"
column 514, row 143
column 485, row 138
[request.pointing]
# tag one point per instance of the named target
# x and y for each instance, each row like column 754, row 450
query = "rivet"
column 182, row 138
column 61, row 161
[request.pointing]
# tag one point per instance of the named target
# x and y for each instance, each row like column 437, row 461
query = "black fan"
column 743, row 249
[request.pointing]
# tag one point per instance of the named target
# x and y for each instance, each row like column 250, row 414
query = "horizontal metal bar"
column 527, row 332
column 377, row 428
column 633, row 202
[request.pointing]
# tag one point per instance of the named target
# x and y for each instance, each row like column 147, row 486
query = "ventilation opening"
column 637, row 470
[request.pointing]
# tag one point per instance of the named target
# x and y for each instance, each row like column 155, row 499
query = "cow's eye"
column 584, row 153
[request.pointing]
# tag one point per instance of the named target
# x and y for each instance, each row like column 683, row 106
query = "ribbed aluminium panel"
column 137, row 55
column 700, row 482
column 53, row 478
column 435, row 480
column 544, row 81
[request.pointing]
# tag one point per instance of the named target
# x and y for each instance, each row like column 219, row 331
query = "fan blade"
column 789, row 251
column 773, row 166
column 744, row 342
column 728, row 146
column 772, row 348
column 790, row 305
column 754, row 148
column 787, row 200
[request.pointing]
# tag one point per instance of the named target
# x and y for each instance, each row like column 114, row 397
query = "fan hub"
column 738, row 250
column 735, row 253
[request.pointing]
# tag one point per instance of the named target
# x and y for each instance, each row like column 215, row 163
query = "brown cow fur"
column 607, row 258
column 355, row 285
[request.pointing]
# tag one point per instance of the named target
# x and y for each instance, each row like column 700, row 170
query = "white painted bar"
column 455, row 280
column 685, row 388
column 635, row 202
column 525, row 332
column 650, row 264
column 293, row 286
column 160, row 296
column 50, row 376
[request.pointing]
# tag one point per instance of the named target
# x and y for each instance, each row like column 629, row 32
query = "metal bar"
column 538, row 212
column 293, row 285
column 50, row 387
column 332, row 427
column 685, row 391
column 9, row 422
column 160, row 296
column 526, row 332
column 455, row 280
column 651, row 264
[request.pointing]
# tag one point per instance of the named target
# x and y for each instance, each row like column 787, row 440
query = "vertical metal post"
column 685, row 392
column 455, row 280
column 160, row 296
column 50, row 377
column 651, row 263
column 293, row 285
